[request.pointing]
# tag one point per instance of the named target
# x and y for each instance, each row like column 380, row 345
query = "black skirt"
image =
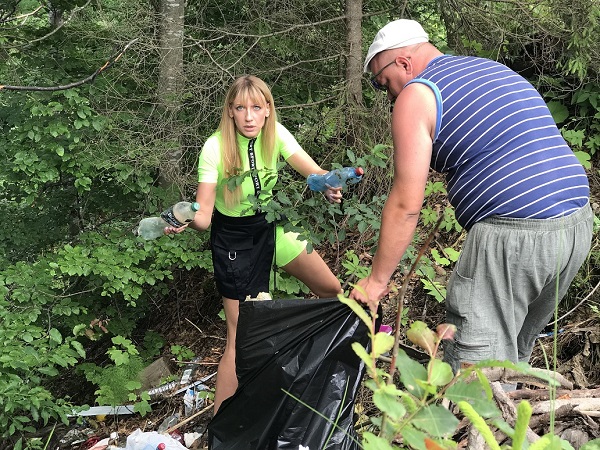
column 242, row 253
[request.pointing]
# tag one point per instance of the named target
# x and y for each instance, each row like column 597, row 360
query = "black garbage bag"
column 302, row 346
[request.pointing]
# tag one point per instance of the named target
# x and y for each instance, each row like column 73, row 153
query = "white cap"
column 396, row 34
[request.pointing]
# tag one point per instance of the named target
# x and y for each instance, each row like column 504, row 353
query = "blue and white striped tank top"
column 498, row 145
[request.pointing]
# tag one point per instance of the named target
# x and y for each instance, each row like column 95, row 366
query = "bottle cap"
column 195, row 206
column 359, row 171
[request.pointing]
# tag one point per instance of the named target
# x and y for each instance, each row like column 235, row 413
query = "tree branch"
column 91, row 78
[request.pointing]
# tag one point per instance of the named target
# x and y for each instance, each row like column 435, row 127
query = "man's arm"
column 413, row 125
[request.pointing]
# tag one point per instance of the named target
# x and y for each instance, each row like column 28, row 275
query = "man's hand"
column 369, row 292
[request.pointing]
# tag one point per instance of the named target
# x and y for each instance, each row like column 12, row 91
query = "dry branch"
column 509, row 410
column 92, row 77
column 510, row 376
column 588, row 406
column 544, row 394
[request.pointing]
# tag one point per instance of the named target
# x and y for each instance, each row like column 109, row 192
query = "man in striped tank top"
column 515, row 185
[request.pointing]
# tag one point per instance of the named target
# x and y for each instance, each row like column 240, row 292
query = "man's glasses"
column 376, row 85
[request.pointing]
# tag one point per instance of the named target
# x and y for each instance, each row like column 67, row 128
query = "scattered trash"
column 77, row 436
column 190, row 438
column 386, row 329
column 102, row 444
column 260, row 296
column 189, row 371
column 105, row 411
column 150, row 440
column 161, row 390
column 168, row 423
column 193, row 399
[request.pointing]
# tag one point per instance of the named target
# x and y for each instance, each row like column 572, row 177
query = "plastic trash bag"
column 149, row 440
column 302, row 346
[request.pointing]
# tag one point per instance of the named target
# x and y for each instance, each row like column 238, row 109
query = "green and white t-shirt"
column 210, row 167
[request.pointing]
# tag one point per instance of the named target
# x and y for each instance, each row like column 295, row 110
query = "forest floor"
column 194, row 324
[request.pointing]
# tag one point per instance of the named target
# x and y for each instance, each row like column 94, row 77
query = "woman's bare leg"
column 226, row 383
column 315, row 274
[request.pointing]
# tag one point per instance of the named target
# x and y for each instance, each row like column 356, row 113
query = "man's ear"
column 405, row 62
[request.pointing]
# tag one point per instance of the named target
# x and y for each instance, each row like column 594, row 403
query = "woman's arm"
column 305, row 165
column 205, row 196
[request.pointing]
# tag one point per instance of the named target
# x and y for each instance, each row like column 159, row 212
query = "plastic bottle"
column 176, row 216
column 335, row 178
column 189, row 370
column 180, row 213
column 168, row 423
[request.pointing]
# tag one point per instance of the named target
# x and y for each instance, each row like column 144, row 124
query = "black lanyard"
column 253, row 173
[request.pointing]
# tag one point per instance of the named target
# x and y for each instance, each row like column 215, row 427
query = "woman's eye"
column 257, row 108
column 239, row 108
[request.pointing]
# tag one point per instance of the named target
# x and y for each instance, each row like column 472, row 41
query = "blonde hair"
column 244, row 88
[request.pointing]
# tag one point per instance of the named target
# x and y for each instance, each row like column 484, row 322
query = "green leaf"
column 387, row 399
column 358, row 309
column 372, row 442
column 440, row 372
column 420, row 334
column 55, row 335
column 413, row 437
column 474, row 394
column 436, row 421
column 382, row 343
column 362, row 353
column 559, row 111
column 410, row 372
column 584, row 159
column 591, row 445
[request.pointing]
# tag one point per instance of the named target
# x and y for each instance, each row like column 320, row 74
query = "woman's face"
column 249, row 116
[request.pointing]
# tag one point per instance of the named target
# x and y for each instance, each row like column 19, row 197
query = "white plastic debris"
column 139, row 440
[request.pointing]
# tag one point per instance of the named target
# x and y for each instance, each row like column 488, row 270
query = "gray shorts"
column 506, row 282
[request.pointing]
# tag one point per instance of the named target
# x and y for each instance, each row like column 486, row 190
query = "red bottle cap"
column 359, row 171
column 161, row 446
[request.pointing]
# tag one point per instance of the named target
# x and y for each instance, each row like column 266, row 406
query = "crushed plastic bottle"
column 168, row 423
column 334, row 178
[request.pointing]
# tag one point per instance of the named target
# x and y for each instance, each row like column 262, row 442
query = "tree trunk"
column 170, row 86
column 354, row 43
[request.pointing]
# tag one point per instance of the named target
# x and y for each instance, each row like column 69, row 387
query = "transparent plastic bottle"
column 176, row 216
column 180, row 213
column 335, row 178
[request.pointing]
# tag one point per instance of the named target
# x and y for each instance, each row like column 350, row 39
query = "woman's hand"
column 333, row 195
column 175, row 230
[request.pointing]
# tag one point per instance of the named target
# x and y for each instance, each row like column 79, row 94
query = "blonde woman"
column 246, row 148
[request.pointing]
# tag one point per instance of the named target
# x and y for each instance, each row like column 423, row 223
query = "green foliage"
column 353, row 266
column 415, row 413
column 182, row 353
column 116, row 383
